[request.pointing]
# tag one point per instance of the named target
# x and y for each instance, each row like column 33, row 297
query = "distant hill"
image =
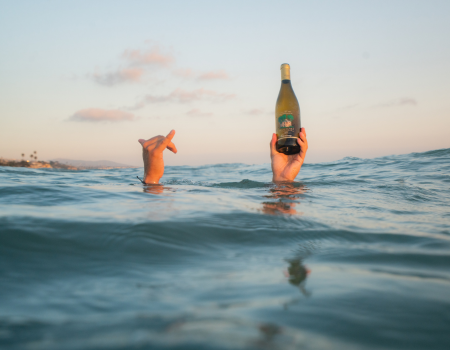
column 92, row 163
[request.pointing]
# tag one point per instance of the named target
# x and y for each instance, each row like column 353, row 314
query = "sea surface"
column 354, row 255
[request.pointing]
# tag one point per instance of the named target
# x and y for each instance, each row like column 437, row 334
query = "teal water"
column 355, row 255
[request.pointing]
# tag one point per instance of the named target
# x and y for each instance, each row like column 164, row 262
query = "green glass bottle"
column 287, row 115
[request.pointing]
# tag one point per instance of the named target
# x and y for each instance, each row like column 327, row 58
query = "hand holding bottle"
column 152, row 154
column 286, row 167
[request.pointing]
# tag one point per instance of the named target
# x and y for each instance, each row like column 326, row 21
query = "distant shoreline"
column 52, row 165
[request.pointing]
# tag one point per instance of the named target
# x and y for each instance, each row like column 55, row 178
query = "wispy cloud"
column 214, row 75
column 118, row 77
column 185, row 96
column 197, row 113
column 257, row 111
column 405, row 101
column 135, row 64
column 101, row 115
column 152, row 57
column 187, row 73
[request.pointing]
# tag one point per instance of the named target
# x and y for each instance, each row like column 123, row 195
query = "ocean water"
column 354, row 255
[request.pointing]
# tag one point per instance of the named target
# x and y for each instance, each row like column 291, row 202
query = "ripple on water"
column 356, row 254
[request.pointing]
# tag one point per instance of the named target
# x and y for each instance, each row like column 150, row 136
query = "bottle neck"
column 285, row 72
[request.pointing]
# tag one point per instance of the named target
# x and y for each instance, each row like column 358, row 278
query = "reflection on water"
column 286, row 196
column 297, row 274
column 198, row 262
column 268, row 333
column 154, row 189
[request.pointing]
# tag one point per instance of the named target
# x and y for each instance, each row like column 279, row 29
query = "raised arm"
column 152, row 154
column 285, row 168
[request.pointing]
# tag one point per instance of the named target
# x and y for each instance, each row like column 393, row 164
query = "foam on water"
column 356, row 254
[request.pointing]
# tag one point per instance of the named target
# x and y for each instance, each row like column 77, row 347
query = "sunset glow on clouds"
column 185, row 96
column 101, row 115
column 187, row 73
column 152, row 57
column 118, row 77
column 215, row 75
column 138, row 62
column 364, row 87
column 156, row 60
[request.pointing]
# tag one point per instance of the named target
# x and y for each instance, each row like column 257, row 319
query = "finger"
column 273, row 142
column 304, row 139
column 303, row 148
column 162, row 146
column 303, row 130
column 171, row 146
column 301, row 143
column 302, row 136
column 145, row 143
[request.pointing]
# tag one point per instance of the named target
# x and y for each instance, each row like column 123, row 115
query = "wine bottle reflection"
column 297, row 274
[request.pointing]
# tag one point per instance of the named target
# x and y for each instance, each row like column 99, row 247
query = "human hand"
column 152, row 154
column 286, row 167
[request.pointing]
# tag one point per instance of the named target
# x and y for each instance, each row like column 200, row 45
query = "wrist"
column 277, row 178
column 148, row 179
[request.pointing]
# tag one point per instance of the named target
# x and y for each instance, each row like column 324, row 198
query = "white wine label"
column 286, row 125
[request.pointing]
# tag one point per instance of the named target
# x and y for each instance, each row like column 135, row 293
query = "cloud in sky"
column 187, row 73
column 185, row 96
column 137, row 63
column 151, row 57
column 405, row 101
column 197, row 113
column 214, row 75
column 101, row 115
column 118, row 77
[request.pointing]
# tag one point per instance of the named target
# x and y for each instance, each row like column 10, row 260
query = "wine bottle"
column 287, row 115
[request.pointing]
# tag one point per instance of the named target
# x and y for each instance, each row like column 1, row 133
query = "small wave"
column 243, row 184
column 218, row 253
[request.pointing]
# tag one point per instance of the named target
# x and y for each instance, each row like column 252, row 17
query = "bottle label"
column 286, row 125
